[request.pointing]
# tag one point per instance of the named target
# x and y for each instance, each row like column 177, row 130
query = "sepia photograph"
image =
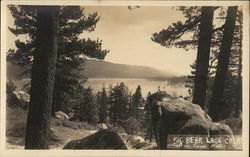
column 126, row 76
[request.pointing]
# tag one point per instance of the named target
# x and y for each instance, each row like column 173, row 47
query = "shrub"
column 117, row 129
column 132, row 125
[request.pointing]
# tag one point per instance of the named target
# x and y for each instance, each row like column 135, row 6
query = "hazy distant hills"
column 104, row 69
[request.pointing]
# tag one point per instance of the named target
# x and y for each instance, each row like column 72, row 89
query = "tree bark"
column 200, row 82
column 238, row 106
column 42, row 79
column 222, row 67
column 57, row 96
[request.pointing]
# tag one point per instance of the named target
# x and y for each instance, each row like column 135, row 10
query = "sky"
column 127, row 34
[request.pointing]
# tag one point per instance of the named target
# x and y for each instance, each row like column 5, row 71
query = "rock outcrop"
column 235, row 124
column 103, row 139
column 61, row 115
column 177, row 116
column 12, row 99
column 23, row 97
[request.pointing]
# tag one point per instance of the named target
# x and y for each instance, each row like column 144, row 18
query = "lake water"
column 146, row 85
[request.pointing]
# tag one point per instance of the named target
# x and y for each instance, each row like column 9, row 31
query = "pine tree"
column 148, row 119
column 199, row 22
column 202, row 62
column 174, row 35
column 231, row 102
column 42, row 79
column 119, row 104
column 70, row 60
column 88, row 107
column 137, row 102
column 103, row 106
column 223, row 62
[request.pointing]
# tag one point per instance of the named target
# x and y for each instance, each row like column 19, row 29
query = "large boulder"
column 103, row 139
column 23, row 98
column 177, row 116
column 235, row 124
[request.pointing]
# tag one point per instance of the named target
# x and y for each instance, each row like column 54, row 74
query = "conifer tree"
column 119, row 104
column 202, row 62
column 103, row 107
column 174, row 35
column 137, row 101
column 71, row 48
column 223, row 63
column 88, row 107
column 42, row 78
column 199, row 20
column 148, row 119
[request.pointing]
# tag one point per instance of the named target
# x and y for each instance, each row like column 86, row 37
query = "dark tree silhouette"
column 88, row 107
column 137, row 101
column 42, row 78
column 73, row 21
column 119, row 104
column 202, row 61
column 199, row 21
column 223, row 61
column 148, row 119
column 175, row 35
column 103, row 107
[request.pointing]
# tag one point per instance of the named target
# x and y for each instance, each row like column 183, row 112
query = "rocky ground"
column 170, row 116
column 62, row 132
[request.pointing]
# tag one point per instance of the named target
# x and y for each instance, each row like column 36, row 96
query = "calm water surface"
column 146, row 85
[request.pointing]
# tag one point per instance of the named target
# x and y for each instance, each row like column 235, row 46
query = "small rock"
column 135, row 139
column 61, row 115
column 102, row 126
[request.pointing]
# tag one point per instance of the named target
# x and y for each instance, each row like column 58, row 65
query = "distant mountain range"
column 104, row 69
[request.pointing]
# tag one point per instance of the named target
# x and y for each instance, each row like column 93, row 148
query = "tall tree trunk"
column 223, row 61
column 238, row 106
column 200, row 82
column 42, row 79
column 57, row 96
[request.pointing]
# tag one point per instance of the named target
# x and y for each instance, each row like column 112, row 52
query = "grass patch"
column 18, row 130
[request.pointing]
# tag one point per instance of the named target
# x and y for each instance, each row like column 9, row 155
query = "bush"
column 117, row 129
column 132, row 125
